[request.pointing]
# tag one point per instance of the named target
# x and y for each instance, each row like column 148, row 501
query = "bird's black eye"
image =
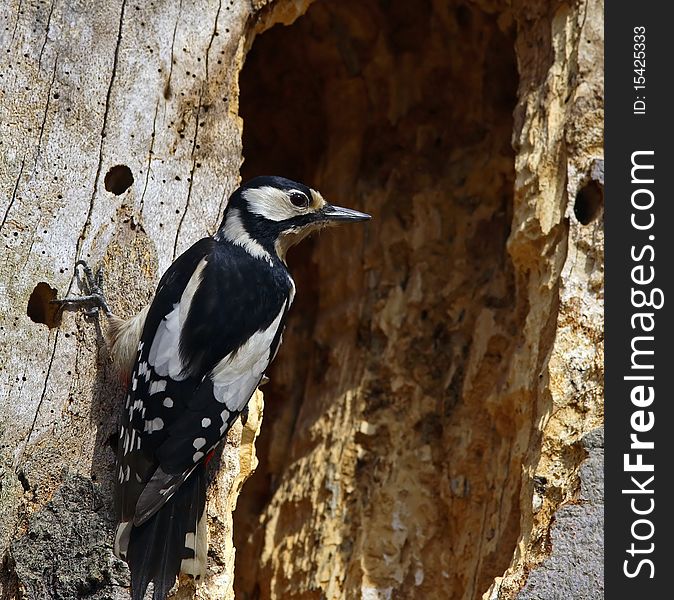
column 299, row 200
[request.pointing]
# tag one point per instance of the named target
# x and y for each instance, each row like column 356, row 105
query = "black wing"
column 210, row 333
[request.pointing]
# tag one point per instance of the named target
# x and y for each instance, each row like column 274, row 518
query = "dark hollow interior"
column 402, row 109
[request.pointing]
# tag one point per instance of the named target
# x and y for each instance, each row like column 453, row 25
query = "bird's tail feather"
column 174, row 536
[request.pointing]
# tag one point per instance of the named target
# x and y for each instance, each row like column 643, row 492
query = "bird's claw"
column 94, row 299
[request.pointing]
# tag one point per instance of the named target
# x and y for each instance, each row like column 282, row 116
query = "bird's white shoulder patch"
column 236, row 375
column 164, row 353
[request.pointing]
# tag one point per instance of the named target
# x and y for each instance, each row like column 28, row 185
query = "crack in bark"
column 16, row 187
column 173, row 42
column 46, row 112
column 30, row 250
column 215, row 30
column 87, row 223
column 16, row 23
column 39, row 404
column 46, row 35
column 189, row 189
column 149, row 159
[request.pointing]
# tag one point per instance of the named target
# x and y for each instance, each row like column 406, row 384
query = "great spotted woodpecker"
column 195, row 356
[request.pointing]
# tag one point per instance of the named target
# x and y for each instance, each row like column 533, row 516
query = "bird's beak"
column 337, row 214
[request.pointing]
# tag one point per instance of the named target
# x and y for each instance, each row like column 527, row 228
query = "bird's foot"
column 92, row 285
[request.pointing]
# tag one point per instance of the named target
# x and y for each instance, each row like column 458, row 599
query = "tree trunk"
column 427, row 414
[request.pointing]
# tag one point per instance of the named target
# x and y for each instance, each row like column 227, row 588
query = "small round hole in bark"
column 40, row 309
column 118, row 179
column 589, row 202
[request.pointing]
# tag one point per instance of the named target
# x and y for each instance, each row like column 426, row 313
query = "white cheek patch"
column 270, row 203
column 235, row 232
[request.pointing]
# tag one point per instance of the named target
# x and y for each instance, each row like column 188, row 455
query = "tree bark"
column 428, row 412
column 88, row 87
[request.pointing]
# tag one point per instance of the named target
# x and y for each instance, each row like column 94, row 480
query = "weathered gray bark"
column 84, row 87
column 443, row 367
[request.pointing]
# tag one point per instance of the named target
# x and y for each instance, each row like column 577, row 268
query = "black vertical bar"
column 639, row 402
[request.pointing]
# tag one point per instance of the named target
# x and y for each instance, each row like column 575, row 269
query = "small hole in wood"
column 118, row 179
column 40, row 309
column 589, row 202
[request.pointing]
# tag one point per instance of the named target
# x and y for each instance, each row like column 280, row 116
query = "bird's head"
column 272, row 214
